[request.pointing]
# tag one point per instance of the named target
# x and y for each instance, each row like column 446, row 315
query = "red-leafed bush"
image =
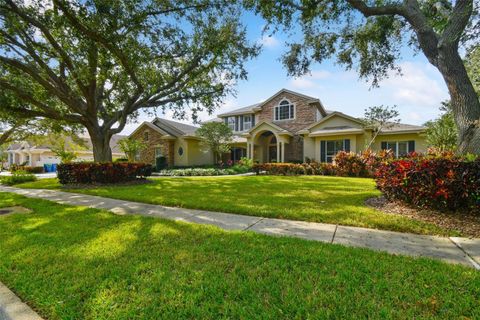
column 431, row 181
column 365, row 164
column 100, row 173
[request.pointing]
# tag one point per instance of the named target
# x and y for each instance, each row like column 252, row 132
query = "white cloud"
column 269, row 41
column 308, row 81
column 416, row 86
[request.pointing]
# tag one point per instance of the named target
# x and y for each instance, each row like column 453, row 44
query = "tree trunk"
column 465, row 101
column 101, row 145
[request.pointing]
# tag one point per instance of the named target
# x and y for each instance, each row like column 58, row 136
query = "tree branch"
column 458, row 22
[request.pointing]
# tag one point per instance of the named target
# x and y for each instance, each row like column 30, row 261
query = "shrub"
column 431, row 181
column 203, row 171
column 109, row 172
column 289, row 169
column 160, row 163
column 27, row 169
column 17, row 177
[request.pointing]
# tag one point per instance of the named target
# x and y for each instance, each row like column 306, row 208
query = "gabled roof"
column 169, row 128
column 255, row 107
column 331, row 115
column 402, row 127
column 272, row 125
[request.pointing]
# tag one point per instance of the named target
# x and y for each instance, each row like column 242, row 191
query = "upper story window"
column 145, row 136
column 284, row 111
column 247, row 122
column 231, row 123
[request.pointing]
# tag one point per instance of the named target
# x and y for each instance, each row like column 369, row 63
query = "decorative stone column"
column 283, row 151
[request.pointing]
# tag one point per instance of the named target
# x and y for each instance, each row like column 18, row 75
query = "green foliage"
column 64, row 144
column 98, row 63
column 442, row 132
column 217, row 137
column 19, row 176
column 472, row 64
column 131, row 147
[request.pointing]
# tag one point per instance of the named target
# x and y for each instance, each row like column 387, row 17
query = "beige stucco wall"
column 194, row 154
column 336, row 121
column 358, row 142
column 420, row 142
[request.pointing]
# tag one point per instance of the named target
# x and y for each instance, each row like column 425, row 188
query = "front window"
column 399, row 148
column 231, row 123
column 284, row 111
column 158, row 153
column 247, row 122
column 334, row 147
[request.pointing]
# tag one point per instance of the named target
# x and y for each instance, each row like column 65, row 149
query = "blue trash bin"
column 54, row 167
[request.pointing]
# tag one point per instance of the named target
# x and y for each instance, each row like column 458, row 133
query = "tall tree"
column 369, row 35
column 99, row 62
column 216, row 136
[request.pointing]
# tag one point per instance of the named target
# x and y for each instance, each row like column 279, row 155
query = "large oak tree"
column 99, row 62
column 370, row 34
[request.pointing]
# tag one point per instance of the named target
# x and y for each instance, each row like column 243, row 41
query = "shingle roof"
column 396, row 127
column 243, row 110
column 175, row 128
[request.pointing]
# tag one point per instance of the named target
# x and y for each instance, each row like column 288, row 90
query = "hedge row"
column 290, row 169
column 15, row 168
column 109, row 172
column 345, row 164
column 434, row 182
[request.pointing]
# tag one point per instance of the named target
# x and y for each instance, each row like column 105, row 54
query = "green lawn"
column 78, row 263
column 310, row 198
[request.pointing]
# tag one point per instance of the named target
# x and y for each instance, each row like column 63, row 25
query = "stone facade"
column 305, row 113
column 153, row 140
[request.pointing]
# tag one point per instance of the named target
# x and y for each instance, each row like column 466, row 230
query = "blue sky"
column 417, row 92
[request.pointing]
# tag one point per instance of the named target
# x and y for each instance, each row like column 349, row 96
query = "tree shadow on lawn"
column 89, row 264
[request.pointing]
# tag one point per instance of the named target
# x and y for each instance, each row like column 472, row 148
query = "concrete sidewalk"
column 453, row 250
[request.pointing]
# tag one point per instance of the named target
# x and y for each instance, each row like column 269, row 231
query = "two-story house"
column 287, row 127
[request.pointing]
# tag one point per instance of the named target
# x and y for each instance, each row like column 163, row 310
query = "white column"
column 278, row 151
column 30, row 160
column 252, row 148
column 283, row 151
column 248, row 150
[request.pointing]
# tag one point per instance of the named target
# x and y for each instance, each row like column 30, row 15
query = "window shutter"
column 253, row 120
column 226, row 120
column 241, row 123
column 411, row 145
column 346, row 145
column 292, row 111
column 276, row 113
column 384, row 145
column 236, row 123
column 323, row 151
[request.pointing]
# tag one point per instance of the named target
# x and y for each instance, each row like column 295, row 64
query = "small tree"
column 131, row 147
column 442, row 132
column 379, row 118
column 65, row 145
column 217, row 136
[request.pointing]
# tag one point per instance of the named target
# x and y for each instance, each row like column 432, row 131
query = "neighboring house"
column 287, row 127
column 37, row 155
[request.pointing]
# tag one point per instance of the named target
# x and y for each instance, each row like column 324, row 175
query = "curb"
column 12, row 308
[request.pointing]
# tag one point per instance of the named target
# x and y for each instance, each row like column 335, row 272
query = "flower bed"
column 102, row 173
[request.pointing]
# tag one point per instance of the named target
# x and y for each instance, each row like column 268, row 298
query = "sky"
column 417, row 92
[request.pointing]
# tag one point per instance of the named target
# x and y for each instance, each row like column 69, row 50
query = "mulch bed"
column 467, row 223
